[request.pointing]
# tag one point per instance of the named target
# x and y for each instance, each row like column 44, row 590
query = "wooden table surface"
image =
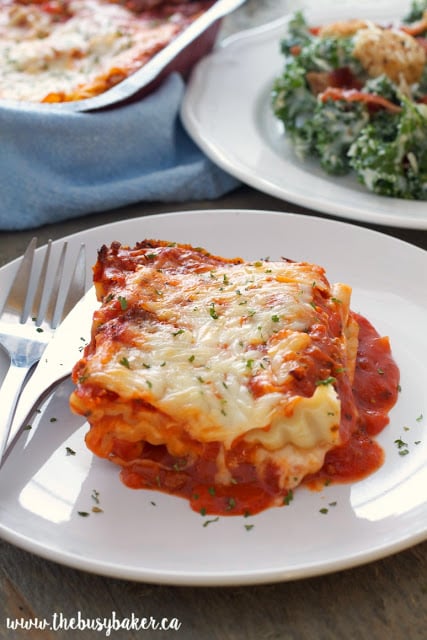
column 383, row 599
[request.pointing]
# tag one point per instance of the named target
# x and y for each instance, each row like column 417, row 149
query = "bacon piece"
column 353, row 95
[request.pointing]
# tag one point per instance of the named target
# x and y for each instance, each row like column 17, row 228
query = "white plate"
column 227, row 111
column 42, row 488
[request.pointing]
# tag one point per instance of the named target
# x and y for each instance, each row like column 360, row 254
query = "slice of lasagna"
column 221, row 380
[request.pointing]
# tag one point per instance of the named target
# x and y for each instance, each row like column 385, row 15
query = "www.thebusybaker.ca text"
column 60, row 622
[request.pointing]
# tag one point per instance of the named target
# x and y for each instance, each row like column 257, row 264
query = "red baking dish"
column 179, row 55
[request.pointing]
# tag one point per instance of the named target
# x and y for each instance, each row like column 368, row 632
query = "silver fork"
column 35, row 305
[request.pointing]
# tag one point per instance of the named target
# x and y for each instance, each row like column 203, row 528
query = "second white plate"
column 227, row 111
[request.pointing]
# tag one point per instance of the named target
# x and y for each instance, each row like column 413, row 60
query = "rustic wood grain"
column 384, row 599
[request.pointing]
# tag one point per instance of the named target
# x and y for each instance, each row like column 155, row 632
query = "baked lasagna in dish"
column 229, row 382
column 66, row 50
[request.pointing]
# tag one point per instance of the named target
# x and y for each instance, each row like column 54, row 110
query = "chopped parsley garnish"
column 212, row 312
column 400, row 443
column 123, row 303
column 325, row 381
column 402, row 447
column 231, row 504
column 180, row 464
column 208, row 522
column 288, row 497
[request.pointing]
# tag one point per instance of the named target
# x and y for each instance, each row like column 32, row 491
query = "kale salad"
column 353, row 94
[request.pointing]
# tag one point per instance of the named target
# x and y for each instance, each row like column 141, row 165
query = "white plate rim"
column 220, row 577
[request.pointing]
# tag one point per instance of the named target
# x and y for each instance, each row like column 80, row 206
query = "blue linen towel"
column 57, row 164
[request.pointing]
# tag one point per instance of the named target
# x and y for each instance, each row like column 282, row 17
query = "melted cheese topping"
column 90, row 46
column 228, row 382
column 191, row 351
column 200, row 348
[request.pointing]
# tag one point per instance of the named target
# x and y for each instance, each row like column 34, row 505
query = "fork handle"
column 9, row 394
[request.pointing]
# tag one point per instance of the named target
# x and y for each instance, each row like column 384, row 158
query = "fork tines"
column 41, row 294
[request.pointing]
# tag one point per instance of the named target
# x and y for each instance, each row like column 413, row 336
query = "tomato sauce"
column 375, row 391
column 157, row 469
column 365, row 407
